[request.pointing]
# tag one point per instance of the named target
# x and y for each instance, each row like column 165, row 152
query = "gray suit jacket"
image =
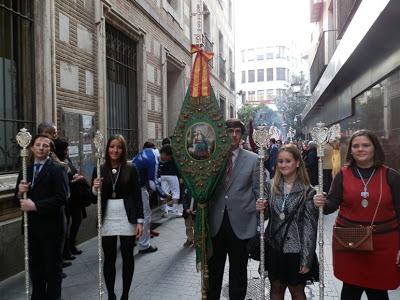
column 239, row 197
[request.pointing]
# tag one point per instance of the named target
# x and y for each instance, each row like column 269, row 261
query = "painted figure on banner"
column 200, row 141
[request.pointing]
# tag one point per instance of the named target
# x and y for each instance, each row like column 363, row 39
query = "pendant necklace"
column 282, row 210
column 114, row 183
column 364, row 193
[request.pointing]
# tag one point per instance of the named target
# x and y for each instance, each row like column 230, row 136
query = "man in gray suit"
column 233, row 217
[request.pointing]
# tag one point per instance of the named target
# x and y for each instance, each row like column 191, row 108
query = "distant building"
column 355, row 70
column 265, row 73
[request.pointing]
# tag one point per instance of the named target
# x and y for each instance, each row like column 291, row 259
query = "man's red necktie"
column 228, row 171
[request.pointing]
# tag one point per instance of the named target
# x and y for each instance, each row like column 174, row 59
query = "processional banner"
column 201, row 146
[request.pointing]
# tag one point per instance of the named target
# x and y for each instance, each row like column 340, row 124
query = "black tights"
column 128, row 263
column 354, row 292
column 278, row 291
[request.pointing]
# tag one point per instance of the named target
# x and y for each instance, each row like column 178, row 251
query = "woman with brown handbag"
column 292, row 227
column 367, row 193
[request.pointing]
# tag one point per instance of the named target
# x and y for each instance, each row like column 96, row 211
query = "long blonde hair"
column 301, row 173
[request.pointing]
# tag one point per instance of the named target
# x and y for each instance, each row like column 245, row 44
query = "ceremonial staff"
column 291, row 133
column 320, row 135
column 261, row 137
column 99, row 145
column 24, row 139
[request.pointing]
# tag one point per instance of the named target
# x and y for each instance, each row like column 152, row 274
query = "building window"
column 173, row 4
column 269, row 55
column 174, row 8
column 260, row 95
column 280, row 92
column 250, row 55
column 243, row 97
column 17, row 96
column 270, row 92
column 243, row 76
column 231, row 112
column 121, row 68
column 252, row 96
column 260, row 56
column 230, row 13
column 260, row 75
column 251, row 76
column 222, row 106
column 281, row 52
column 280, row 74
column 270, row 74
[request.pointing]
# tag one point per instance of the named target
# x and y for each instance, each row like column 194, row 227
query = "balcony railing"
column 232, row 80
column 222, row 68
column 345, row 12
column 209, row 47
column 319, row 64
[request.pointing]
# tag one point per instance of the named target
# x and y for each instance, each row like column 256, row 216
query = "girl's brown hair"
column 123, row 158
column 301, row 173
column 379, row 155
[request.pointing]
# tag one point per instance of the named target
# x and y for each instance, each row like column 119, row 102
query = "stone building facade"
column 121, row 66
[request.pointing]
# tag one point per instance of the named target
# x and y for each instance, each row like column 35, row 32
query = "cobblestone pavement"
column 168, row 274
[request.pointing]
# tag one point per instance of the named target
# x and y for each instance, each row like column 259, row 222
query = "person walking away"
column 168, row 173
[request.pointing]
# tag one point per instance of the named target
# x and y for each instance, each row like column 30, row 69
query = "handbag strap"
column 380, row 198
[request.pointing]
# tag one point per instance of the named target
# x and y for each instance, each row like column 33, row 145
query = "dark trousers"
column 45, row 266
column 227, row 243
column 128, row 263
column 354, row 292
column 76, row 220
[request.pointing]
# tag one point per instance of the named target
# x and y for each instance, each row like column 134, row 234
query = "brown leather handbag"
column 356, row 238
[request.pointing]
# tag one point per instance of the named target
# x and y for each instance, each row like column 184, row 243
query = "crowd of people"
column 364, row 191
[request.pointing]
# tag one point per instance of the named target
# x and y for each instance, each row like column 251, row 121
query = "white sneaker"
column 175, row 213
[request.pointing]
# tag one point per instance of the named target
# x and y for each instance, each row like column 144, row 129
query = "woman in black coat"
column 122, row 212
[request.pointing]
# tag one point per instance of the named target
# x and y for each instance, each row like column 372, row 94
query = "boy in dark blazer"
column 47, row 191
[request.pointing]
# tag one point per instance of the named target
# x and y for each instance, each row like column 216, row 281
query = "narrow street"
column 168, row 274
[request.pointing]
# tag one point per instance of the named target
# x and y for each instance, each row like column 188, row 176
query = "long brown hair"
column 301, row 173
column 123, row 158
column 379, row 155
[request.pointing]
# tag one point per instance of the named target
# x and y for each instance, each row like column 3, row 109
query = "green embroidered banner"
column 201, row 146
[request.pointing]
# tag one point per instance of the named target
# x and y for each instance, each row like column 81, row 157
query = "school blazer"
column 50, row 193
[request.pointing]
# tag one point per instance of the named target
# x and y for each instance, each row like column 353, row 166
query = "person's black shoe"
column 75, row 251
column 148, row 250
column 69, row 257
column 66, row 264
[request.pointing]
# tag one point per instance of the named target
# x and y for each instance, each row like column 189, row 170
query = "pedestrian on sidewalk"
column 366, row 191
column 122, row 212
column 168, row 173
column 146, row 162
column 233, row 217
column 292, row 228
column 189, row 213
column 47, row 191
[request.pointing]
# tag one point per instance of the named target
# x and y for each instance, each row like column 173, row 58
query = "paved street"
column 167, row 274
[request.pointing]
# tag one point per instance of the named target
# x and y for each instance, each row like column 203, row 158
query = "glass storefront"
column 377, row 109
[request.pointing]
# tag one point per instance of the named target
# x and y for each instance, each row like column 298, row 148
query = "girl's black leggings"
column 128, row 263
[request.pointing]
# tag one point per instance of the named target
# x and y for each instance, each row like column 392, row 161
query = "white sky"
column 260, row 22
